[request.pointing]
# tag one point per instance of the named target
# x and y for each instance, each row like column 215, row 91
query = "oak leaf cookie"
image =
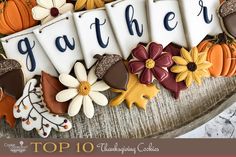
column 136, row 93
column 46, row 10
column 149, row 62
column 35, row 115
column 191, row 66
column 83, row 90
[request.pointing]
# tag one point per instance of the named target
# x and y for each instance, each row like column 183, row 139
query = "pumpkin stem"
column 222, row 38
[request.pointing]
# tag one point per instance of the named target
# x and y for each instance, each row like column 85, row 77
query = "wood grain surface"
column 164, row 116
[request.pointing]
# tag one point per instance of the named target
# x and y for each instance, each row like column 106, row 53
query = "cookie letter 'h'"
column 130, row 21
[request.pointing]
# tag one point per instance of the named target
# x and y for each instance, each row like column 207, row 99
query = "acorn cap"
column 7, row 65
column 228, row 7
column 104, row 63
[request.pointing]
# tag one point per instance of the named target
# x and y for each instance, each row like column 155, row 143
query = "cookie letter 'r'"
column 204, row 11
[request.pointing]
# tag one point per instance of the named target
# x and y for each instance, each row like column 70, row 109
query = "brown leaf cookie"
column 50, row 87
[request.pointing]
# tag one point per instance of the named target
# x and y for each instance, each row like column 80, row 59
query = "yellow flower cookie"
column 191, row 66
column 90, row 4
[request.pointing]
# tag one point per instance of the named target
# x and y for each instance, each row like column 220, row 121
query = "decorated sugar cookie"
column 15, row 15
column 50, row 87
column 11, row 77
column 112, row 70
column 191, row 66
column 82, row 91
column 35, row 115
column 221, row 53
column 170, row 82
column 90, row 4
column 136, row 94
column 227, row 14
column 46, row 10
column 149, row 62
column 11, row 87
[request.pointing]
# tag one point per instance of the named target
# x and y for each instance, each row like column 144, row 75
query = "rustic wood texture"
column 163, row 117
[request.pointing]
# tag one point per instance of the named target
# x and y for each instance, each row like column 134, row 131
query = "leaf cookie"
column 6, row 105
column 136, row 93
column 35, row 115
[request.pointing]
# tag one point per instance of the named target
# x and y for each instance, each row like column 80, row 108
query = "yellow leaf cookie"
column 136, row 93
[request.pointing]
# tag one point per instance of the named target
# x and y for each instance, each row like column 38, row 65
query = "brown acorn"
column 11, row 77
column 112, row 70
column 227, row 13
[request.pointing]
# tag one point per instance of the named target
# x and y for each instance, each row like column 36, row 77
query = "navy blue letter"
column 98, row 32
column 205, row 12
column 28, row 51
column 67, row 43
column 169, row 17
column 129, row 16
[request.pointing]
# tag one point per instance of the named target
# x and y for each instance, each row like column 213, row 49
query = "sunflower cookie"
column 191, row 67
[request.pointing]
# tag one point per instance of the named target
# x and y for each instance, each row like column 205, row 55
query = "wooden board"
column 164, row 117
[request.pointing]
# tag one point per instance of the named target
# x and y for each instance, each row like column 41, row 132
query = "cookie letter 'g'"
column 25, row 48
column 130, row 21
column 67, row 43
column 169, row 17
column 204, row 11
column 98, row 25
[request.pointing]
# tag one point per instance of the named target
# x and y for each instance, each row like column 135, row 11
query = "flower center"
column 54, row 12
column 84, row 88
column 192, row 66
column 150, row 63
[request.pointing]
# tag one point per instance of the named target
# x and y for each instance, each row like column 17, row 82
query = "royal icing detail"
column 62, row 45
column 191, row 66
column 82, row 90
column 25, row 48
column 150, row 62
column 94, row 29
column 129, row 22
column 35, row 115
column 166, row 23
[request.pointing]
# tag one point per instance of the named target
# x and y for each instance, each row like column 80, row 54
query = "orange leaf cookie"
column 136, row 93
column 6, row 108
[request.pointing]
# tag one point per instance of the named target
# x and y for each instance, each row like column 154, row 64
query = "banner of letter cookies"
column 60, row 56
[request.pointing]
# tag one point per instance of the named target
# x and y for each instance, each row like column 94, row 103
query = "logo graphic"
column 16, row 148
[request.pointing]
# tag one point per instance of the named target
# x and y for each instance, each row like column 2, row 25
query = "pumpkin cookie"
column 226, row 59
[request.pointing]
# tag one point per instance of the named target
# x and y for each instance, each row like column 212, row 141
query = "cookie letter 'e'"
column 205, row 13
column 129, row 16
column 27, row 50
column 169, row 17
column 98, row 25
column 65, row 39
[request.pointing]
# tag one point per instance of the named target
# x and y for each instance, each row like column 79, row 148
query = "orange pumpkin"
column 15, row 15
column 222, row 54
